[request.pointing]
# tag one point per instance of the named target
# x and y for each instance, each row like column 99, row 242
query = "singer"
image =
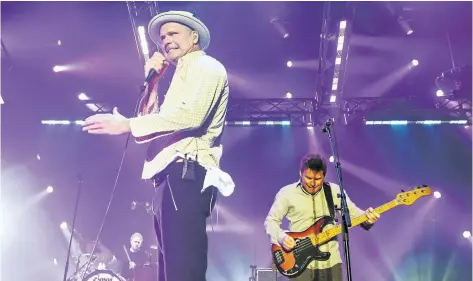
column 184, row 137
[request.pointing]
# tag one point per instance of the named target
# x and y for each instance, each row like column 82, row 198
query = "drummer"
column 135, row 255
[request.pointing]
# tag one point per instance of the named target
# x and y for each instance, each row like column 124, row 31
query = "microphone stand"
column 345, row 213
column 66, row 268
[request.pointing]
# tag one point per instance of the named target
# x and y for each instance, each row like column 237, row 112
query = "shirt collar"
column 189, row 57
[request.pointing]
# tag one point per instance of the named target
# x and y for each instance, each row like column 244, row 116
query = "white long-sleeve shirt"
column 190, row 121
column 302, row 210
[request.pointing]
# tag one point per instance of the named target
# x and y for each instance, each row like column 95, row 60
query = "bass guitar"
column 292, row 263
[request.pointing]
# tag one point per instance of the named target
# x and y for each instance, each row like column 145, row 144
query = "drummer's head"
column 136, row 240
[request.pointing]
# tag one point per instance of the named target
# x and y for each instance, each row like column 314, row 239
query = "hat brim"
column 190, row 21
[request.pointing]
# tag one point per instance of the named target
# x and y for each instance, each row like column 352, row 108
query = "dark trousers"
column 333, row 273
column 181, row 225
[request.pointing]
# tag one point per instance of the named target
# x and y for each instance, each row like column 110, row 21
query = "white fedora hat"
column 181, row 17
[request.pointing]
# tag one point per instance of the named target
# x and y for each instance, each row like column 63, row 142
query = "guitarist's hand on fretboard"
column 372, row 215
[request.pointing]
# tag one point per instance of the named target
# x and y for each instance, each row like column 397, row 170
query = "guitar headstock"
column 409, row 197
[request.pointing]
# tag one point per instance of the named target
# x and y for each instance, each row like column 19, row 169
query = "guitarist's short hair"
column 315, row 162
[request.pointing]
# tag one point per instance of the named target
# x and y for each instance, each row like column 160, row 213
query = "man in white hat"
column 185, row 148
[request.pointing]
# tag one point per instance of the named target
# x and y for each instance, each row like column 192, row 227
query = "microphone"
column 146, row 205
column 326, row 126
column 152, row 73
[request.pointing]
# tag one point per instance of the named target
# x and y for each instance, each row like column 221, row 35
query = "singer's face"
column 176, row 40
column 312, row 180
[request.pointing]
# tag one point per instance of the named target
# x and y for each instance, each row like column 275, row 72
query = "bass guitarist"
column 303, row 203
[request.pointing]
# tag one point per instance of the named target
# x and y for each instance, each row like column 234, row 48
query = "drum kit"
column 104, row 275
column 96, row 271
column 103, row 264
column 99, row 271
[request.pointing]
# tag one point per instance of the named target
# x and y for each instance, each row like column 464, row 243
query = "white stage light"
column 83, row 96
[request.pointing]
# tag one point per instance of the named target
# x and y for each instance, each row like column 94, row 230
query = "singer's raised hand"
column 158, row 63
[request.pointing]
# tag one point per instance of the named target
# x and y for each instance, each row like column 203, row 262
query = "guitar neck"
column 329, row 234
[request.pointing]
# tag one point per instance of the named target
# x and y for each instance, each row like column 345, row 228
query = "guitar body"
column 292, row 263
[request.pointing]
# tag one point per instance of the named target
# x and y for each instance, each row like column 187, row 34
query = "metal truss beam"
column 304, row 112
column 296, row 112
column 413, row 108
column 141, row 12
column 460, row 108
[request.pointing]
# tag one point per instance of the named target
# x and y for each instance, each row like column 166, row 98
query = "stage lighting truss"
column 141, row 12
column 305, row 112
column 407, row 110
column 286, row 112
column 455, row 83
column 459, row 108
column 97, row 106
column 340, row 61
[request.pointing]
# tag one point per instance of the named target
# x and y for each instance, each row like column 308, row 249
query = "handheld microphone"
column 152, row 73
column 326, row 126
column 148, row 79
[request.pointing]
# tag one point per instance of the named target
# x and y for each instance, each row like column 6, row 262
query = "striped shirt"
column 191, row 119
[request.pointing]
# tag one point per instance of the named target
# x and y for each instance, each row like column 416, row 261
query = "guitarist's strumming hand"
column 288, row 243
column 372, row 215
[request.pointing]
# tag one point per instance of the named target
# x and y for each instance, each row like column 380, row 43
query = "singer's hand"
column 132, row 265
column 158, row 63
column 107, row 124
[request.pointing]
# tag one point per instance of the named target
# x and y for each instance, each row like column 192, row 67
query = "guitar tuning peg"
column 402, row 190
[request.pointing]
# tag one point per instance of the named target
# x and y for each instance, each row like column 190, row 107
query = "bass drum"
column 104, row 275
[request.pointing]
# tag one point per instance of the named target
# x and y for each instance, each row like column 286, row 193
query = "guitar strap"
column 329, row 198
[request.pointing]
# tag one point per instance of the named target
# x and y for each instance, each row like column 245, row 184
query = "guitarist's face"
column 312, row 180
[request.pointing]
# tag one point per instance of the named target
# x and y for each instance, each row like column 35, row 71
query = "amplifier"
column 269, row 274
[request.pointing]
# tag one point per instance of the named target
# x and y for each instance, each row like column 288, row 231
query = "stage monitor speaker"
column 269, row 274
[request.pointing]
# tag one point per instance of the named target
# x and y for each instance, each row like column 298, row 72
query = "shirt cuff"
column 137, row 128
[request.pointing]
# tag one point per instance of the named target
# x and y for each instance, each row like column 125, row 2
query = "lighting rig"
column 452, row 105
column 141, row 12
